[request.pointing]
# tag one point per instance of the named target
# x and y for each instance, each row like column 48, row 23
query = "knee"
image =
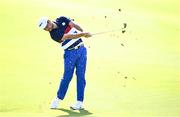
column 82, row 81
column 65, row 80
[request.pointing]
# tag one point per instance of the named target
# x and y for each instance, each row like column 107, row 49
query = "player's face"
column 49, row 26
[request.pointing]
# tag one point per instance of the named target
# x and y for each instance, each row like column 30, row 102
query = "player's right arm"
column 75, row 36
column 60, row 36
column 75, row 25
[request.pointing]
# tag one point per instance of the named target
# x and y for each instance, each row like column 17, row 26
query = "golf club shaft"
column 120, row 29
column 98, row 33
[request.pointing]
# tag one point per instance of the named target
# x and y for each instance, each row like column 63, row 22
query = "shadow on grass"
column 72, row 113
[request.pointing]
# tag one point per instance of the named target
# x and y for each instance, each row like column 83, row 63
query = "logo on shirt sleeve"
column 63, row 23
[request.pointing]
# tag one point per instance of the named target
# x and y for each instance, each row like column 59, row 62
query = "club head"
column 123, row 31
column 125, row 25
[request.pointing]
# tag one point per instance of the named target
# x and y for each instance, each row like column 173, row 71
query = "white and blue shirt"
column 64, row 28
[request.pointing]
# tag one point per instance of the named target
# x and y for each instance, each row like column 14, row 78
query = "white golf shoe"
column 55, row 103
column 77, row 106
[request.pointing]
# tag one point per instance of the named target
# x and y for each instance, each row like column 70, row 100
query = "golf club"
column 120, row 29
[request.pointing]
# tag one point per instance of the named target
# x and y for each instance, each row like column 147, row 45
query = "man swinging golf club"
column 65, row 31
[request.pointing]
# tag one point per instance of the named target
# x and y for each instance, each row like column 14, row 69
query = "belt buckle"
column 76, row 47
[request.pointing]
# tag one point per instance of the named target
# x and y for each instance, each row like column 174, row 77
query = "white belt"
column 76, row 47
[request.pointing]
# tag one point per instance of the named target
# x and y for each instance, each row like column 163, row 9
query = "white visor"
column 42, row 23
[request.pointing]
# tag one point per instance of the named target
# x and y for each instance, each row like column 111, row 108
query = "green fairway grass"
column 131, row 74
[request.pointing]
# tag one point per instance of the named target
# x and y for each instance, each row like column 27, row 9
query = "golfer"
column 63, row 30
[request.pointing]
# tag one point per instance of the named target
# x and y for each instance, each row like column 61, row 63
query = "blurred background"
column 136, row 73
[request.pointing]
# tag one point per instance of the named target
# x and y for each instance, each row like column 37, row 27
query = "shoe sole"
column 76, row 109
column 53, row 108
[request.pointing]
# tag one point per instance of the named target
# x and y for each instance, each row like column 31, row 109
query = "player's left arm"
column 75, row 25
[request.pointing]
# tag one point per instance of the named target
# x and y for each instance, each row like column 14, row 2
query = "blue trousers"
column 74, row 59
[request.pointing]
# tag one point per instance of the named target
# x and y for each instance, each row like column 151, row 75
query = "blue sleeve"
column 62, row 19
column 57, row 35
